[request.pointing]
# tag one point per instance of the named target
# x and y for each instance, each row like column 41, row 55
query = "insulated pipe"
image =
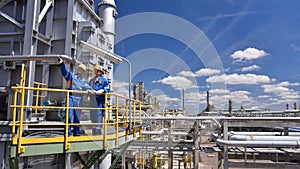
column 262, row 133
column 264, row 138
column 36, row 58
column 258, row 143
column 222, row 118
column 161, row 131
column 105, row 54
column 294, row 129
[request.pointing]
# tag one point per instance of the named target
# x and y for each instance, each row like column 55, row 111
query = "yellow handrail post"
column 104, row 122
column 21, row 149
column 140, row 103
column 117, row 119
column 37, row 98
column 134, row 111
column 14, row 114
column 37, row 95
column 67, row 145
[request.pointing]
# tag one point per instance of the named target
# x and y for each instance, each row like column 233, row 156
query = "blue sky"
column 243, row 50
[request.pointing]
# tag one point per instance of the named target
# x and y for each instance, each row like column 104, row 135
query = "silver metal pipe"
column 161, row 131
column 263, row 133
column 223, row 118
column 219, row 125
column 36, row 58
column 103, row 53
column 264, row 138
column 258, row 143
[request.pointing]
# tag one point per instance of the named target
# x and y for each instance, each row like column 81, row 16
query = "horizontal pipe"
column 103, row 53
column 293, row 129
column 263, row 133
column 223, row 118
column 153, row 132
column 36, row 58
column 258, row 143
column 264, row 138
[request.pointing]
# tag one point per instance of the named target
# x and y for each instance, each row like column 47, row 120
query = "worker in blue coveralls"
column 99, row 85
column 74, row 82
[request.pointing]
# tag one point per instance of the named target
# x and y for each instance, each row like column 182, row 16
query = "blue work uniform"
column 98, row 83
column 74, row 82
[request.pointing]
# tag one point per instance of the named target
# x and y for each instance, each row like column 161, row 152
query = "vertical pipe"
column 123, row 162
column 196, row 144
column 170, row 156
column 245, row 155
column 225, row 151
column 68, row 163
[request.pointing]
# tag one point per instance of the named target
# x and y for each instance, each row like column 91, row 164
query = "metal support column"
column 170, row 153
column 225, row 151
column 13, row 163
column 30, row 47
column 69, row 28
column 196, row 144
column 68, row 163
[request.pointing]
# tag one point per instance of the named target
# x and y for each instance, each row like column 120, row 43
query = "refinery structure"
column 34, row 34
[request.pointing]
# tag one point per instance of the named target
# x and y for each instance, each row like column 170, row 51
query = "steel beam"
column 13, row 163
column 11, row 20
column 11, row 34
column 4, row 2
column 48, row 4
column 122, row 151
column 80, row 159
column 43, row 38
column 97, row 155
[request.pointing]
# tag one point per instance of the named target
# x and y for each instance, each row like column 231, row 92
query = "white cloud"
column 240, row 93
column 264, row 96
column 248, row 54
column 282, row 90
column 234, row 79
column 165, row 98
column 219, row 91
column 238, row 98
column 177, row 82
column 195, row 97
column 285, row 83
column 207, row 72
column 200, row 72
column 120, row 88
column 296, row 48
column 250, row 68
column 187, row 74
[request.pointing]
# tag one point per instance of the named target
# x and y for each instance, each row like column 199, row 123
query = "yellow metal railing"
column 37, row 95
column 116, row 114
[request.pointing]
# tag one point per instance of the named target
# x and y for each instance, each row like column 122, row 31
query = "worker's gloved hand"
column 91, row 91
column 99, row 91
column 59, row 60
